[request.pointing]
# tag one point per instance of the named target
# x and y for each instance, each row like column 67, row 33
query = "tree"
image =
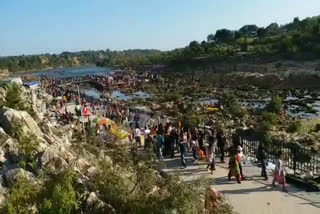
column 237, row 35
column 244, row 45
column 22, row 197
column 15, row 100
column 210, row 38
column 194, row 45
column 27, row 146
column 14, row 97
column 224, row 35
column 230, row 103
column 59, row 196
column 275, row 105
column 247, row 30
column 261, row 32
column 272, row 29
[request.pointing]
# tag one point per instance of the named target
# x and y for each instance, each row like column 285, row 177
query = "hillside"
column 298, row 40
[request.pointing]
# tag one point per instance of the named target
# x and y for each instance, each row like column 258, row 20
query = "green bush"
column 295, row 127
column 27, row 146
column 231, row 104
column 15, row 100
column 275, row 105
column 266, row 139
column 168, row 97
column 268, row 120
column 22, row 197
column 272, row 118
column 59, row 195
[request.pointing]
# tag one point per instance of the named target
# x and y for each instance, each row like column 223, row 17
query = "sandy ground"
column 254, row 195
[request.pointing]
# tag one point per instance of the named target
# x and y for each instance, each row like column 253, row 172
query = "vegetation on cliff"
column 299, row 39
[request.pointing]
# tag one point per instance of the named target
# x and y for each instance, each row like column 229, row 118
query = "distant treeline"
column 68, row 59
column 299, row 38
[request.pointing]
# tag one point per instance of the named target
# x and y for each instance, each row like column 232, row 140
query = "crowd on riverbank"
column 205, row 144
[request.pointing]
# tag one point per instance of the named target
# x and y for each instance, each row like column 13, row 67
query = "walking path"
column 254, row 195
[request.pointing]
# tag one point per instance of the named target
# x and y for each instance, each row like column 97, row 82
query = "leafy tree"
column 210, row 38
column 14, row 97
column 27, row 146
column 59, row 195
column 268, row 120
column 15, row 100
column 272, row 29
column 195, row 46
column 224, row 35
column 145, row 191
column 230, row 103
column 296, row 20
column 22, row 198
column 247, row 30
column 275, row 105
column 294, row 127
column 261, row 32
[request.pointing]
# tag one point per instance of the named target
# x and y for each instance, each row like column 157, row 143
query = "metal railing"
column 299, row 159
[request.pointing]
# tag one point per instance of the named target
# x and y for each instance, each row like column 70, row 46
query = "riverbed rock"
column 252, row 78
column 11, row 119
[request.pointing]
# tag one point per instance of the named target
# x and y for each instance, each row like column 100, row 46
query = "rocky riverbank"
column 45, row 164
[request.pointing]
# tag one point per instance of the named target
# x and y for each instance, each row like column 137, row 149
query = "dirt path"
column 253, row 196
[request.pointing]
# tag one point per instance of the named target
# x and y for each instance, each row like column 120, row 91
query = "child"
column 279, row 172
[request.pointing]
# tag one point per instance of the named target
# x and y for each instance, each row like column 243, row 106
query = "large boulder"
column 81, row 165
column 8, row 147
column 2, row 95
column 52, row 159
column 92, row 204
column 12, row 175
column 11, row 118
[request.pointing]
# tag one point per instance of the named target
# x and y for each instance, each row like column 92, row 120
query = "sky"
column 54, row 26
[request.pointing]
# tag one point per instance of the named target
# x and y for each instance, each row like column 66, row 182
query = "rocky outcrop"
column 2, row 95
column 254, row 79
column 11, row 119
column 12, row 175
column 92, row 204
column 8, row 148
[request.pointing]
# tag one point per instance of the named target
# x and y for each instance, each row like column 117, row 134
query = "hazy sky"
column 53, row 26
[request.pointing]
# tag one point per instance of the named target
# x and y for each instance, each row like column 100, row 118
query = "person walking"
column 221, row 138
column 279, row 172
column 173, row 139
column 234, row 169
column 137, row 134
column 159, row 145
column 183, row 144
column 261, row 156
column 240, row 151
column 211, row 152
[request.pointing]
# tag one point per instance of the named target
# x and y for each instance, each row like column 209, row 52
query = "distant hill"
column 299, row 40
column 68, row 59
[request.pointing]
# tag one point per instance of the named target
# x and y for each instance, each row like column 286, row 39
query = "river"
column 62, row 73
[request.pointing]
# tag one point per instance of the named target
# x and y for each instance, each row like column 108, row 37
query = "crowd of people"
column 206, row 144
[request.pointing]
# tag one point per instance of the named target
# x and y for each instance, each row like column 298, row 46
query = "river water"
column 61, row 73
column 88, row 90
